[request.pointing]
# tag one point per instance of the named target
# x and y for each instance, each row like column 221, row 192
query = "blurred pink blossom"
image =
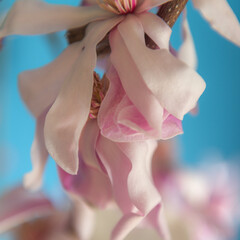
column 199, row 204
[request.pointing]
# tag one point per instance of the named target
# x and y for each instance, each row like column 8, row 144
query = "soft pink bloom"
column 32, row 216
column 19, row 206
column 155, row 73
column 207, row 198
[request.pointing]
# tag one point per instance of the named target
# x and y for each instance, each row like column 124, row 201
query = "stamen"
column 127, row 5
column 100, row 88
column 118, row 6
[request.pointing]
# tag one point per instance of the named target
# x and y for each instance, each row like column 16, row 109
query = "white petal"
column 131, row 77
column 70, row 111
column 156, row 29
column 187, row 52
column 28, row 17
column 176, row 86
column 39, row 155
column 221, row 18
column 40, row 87
column 83, row 218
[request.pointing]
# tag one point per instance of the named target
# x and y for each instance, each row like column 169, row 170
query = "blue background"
column 215, row 130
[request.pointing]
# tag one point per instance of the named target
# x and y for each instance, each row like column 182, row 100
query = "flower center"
column 100, row 88
column 118, row 6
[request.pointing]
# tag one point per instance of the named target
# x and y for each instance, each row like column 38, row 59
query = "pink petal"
column 69, row 113
column 83, row 219
column 176, row 86
column 19, row 206
column 39, row 88
column 221, row 18
column 90, row 184
column 146, row 5
column 39, row 155
column 87, row 144
column 118, row 118
column 158, row 220
column 171, row 127
column 133, row 188
column 28, row 17
column 156, row 29
column 118, row 168
column 187, row 52
column 133, row 83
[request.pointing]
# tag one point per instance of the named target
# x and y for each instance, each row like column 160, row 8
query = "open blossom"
column 169, row 85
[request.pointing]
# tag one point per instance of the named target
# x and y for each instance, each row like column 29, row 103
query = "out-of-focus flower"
column 200, row 204
column 165, row 81
column 19, row 206
column 34, row 217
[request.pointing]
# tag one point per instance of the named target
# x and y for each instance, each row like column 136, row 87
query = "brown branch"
column 169, row 12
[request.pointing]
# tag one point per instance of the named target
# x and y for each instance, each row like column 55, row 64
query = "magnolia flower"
column 68, row 90
column 107, row 171
column 207, row 198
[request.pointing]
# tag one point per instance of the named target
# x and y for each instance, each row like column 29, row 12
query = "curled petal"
column 221, row 18
column 176, row 86
column 69, row 113
column 90, row 184
column 29, row 17
column 83, row 218
column 113, row 159
column 39, row 155
column 146, row 5
column 40, row 87
column 133, row 83
column 118, row 118
column 19, row 206
column 171, row 127
column 133, row 188
column 187, row 52
column 156, row 29
column 87, row 144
